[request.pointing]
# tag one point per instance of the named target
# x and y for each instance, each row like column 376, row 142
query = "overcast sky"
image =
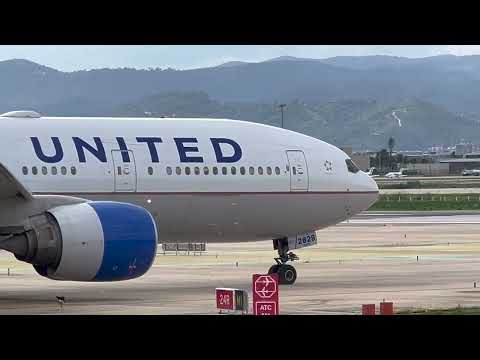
column 70, row 57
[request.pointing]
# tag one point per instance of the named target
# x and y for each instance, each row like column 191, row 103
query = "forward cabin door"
column 125, row 173
column 298, row 170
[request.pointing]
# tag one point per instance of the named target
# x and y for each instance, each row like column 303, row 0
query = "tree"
column 391, row 144
column 381, row 159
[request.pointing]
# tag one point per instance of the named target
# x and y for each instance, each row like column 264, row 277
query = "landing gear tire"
column 273, row 269
column 286, row 274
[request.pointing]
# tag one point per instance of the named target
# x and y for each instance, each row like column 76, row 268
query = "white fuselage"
column 280, row 183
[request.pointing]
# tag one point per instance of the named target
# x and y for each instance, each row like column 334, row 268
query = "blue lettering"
column 98, row 152
column 182, row 150
column 237, row 150
column 151, row 146
column 124, row 149
column 48, row 159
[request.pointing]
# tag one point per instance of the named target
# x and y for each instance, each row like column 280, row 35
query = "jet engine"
column 91, row 241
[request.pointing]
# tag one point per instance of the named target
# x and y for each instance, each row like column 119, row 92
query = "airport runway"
column 366, row 260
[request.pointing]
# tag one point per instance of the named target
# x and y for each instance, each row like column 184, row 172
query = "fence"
column 429, row 197
column 410, row 202
column 186, row 248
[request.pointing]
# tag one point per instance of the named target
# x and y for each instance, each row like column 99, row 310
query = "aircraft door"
column 125, row 173
column 298, row 170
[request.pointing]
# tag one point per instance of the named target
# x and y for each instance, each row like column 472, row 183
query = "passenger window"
column 150, row 170
column 34, row 170
column 233, row 170
column 25, row 170
column 224, row 170
column 269, row 170
column 197, row 170
column 187, row 170
column 178, row 170
column 351, row 166
column 242, row 170
column 44, row 170
column 119, row 170
column 169, row 170
column 73, row 170
column 63, row 170
column 294, row 170
column 54, row 170
column 288, row 168
column 251, row 170
column 215, row 170
column 206, row 170
column 277, row 170
column 260, row 170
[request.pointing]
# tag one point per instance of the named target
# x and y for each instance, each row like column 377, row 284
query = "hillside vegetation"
column 362, row 124
column 354, row 101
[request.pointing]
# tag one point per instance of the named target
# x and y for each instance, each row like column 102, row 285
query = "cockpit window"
column 351, row 166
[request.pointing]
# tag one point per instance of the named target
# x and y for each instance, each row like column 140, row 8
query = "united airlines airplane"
column 88, row 199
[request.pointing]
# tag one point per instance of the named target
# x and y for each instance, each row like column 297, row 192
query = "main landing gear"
column 286, row 273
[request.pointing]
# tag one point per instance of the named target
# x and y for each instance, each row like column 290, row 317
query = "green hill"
column 363, row 124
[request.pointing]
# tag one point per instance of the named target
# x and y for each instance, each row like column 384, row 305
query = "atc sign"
column 265, row 294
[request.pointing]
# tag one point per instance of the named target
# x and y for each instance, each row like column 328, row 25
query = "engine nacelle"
column 92, row 241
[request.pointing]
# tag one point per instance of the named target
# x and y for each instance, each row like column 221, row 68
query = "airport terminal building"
column 456, row 166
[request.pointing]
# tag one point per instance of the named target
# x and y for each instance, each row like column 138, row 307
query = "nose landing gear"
column 286, row 273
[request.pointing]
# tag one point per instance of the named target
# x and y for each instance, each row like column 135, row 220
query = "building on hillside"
column 362, row 160
column 441, row 156
column 472, row 155
column 456, row 166
column 462, row 149
column 429, row 169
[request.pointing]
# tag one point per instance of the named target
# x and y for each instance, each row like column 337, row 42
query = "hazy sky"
column 70, row 57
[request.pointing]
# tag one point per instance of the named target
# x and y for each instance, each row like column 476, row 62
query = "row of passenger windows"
column 53, row 170
column 223, row 170
column 178, row 170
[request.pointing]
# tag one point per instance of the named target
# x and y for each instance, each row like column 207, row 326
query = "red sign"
column 225, row 298
column 368, row 309
column 386, row 308
column 265, row 294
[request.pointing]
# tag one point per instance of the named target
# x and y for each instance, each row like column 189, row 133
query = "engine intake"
column 94, row 241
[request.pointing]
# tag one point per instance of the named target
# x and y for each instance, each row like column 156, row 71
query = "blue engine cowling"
column 102, row 241
column 130, row 241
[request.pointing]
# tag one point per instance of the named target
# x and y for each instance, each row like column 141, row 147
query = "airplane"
column 395, row 174
column 88, row 199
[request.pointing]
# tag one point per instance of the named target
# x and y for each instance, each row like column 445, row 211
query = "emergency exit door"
column 125, row 174
column 298, row 170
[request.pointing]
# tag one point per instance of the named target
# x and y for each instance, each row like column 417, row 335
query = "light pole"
column 281, row 108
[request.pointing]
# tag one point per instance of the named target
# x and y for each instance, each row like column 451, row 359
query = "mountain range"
column 354, row 101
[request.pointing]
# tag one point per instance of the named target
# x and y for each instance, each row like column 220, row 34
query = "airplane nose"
column 371, row 188
column 366, row 190
column 372, row 184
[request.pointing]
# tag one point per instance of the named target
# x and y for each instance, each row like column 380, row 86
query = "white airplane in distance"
column 395, row 174
column 88, row 199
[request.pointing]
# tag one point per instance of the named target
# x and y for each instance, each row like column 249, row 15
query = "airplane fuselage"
column 203, row 180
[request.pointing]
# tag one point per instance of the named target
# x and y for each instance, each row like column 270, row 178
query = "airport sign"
column 232, row 299
column 225, row 298
column 265, row 294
